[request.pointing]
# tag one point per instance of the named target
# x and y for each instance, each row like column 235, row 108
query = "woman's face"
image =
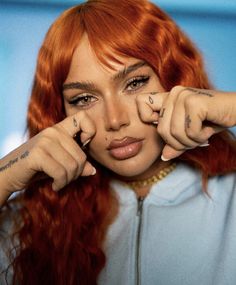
column 122, row 143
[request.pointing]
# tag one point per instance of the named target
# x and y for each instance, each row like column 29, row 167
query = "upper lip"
column 122, row 142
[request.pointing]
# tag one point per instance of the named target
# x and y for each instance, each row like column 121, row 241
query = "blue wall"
column 23, row 24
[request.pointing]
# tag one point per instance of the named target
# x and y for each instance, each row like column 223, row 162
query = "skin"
column 168, row 123
column 113, row 110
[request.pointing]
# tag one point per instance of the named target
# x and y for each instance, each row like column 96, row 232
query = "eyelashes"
column 136, row 83
column 83, row 100
column 133, row 85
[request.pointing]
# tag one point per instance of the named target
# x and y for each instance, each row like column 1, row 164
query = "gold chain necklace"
column 152, row 180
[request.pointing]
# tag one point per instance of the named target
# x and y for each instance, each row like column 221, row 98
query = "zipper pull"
column 140, row 206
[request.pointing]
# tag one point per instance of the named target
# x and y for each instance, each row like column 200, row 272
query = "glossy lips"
column 125, row 148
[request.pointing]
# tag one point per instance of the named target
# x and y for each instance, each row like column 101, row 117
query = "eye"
column 136, row 83
column 83, row 100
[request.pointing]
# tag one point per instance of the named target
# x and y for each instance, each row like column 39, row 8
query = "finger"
column 164, row 126
column 88, row 169
column 79, row 122
column 196, row 127
column 169, row 153
column 178, row 124
column 149, row 104
column 75, row 151
column 72, row 166
column 53, row 169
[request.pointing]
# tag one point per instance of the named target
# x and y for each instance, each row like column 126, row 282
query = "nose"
column 116, row 115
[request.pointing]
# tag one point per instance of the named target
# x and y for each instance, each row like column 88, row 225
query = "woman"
column 122, row 120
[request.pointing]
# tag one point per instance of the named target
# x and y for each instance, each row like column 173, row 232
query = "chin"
column 133, row 166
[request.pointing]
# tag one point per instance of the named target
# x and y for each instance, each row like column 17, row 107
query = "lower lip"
column 127, row 151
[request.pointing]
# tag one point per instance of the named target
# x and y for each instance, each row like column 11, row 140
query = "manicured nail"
column 86, row 142
column 165, row 159
column 204, row 144
column 94, row 171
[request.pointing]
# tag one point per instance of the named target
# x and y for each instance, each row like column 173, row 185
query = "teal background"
column 23, row 24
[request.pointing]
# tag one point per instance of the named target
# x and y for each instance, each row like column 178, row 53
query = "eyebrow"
column 89, row 86
column 122, row 73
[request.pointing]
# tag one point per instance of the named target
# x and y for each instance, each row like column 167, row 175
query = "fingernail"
column 165, row 159
column 94, row 171
column 204, row 144
column 86, row 142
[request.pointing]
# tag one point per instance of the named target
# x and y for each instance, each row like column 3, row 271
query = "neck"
column 141, row 190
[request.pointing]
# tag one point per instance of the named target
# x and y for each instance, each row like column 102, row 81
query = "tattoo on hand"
column 187, row 122
column 13, row 161
column 200, row 92
column 154, row 93
column 162, row 113
column 150, row 100
column 75, row 123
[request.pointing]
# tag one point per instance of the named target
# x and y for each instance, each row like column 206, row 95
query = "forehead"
column 85, row 63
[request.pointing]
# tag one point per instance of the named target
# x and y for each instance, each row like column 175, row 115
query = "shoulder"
column 222, row 190
column 225, row 183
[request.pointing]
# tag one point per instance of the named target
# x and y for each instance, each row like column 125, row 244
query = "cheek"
column 69, row 109
column 97, row 150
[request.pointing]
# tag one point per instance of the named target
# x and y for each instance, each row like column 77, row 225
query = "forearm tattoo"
column 200, row 92
column 14, row 161
column 187, row 122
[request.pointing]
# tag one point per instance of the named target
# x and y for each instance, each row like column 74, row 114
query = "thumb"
column 169, row 153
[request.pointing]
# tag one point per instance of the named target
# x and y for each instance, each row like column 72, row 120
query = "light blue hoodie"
column 179, row 236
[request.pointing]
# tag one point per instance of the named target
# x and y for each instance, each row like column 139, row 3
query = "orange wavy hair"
column 61, row 239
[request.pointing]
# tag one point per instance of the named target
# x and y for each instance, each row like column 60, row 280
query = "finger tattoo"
column 75, row 123
column 154, row 93
column 162, row 113
column 187, row 122
column 150, row 100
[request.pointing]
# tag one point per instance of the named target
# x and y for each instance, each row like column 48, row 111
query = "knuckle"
column 73, row 166
column 60, row 173
column 43, row 144
column 192, row 133
column 174, row 130
column 176, row 89
column 190, row 102
column 49, row 132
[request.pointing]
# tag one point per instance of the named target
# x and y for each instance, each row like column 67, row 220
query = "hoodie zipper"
column 138, row 241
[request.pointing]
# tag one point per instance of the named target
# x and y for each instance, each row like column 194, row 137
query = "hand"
column 52, row 152
column 187, row 117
